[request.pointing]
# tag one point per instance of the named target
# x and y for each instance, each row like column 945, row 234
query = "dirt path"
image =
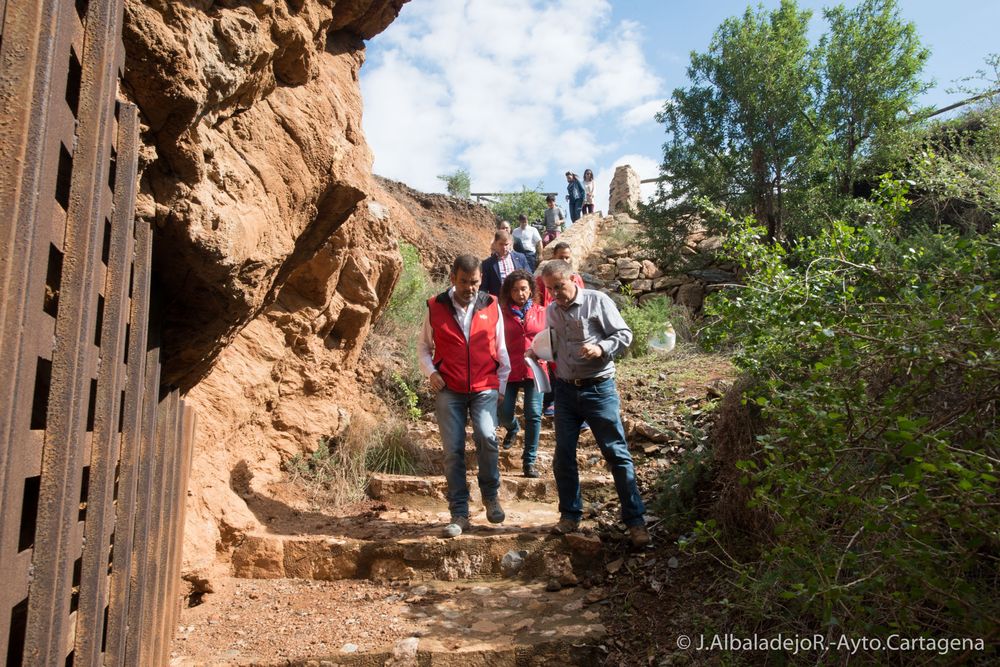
column 375, row 584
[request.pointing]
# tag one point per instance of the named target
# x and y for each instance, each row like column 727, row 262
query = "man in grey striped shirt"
column 588, row 331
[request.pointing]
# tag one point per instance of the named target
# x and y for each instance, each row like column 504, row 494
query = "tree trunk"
column 762, row 204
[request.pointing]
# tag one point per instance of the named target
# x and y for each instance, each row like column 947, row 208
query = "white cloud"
column 413, row 139
column 643, row 113
column 509, row 90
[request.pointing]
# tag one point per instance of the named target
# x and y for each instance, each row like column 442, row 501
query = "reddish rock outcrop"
column 440, row 226
column 270, row 247
column 254, row 113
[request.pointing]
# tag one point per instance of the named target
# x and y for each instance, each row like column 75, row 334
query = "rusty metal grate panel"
column 94, row 453
column 110, row 383
column 131, row 452
column 69, row 397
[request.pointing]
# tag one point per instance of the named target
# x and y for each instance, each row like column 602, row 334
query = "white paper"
column 542, row 384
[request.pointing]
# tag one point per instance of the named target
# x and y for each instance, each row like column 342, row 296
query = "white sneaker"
column 458, row 525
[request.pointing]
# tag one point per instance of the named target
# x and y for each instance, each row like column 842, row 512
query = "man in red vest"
column 463, row 355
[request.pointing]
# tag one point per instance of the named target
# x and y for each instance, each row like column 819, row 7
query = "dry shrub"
column 337, row 472
column 733, row 439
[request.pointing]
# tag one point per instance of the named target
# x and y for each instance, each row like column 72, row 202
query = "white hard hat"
column 542, row 345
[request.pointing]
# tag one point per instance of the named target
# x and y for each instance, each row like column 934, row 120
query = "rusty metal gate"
column 94, row 453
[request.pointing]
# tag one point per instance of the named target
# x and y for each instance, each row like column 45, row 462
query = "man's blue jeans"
column 452, row 410
column 532, row 416
column 598, row 405
column 532, row 260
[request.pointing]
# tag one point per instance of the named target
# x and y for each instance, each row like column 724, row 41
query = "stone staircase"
column 509, row 594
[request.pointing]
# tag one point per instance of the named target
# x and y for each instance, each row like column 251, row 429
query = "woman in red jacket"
column 522, row 320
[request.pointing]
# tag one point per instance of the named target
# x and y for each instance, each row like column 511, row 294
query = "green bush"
column 876, row 362
column 510, row 205
column 680, row 487
column 458, row 183
column 647, row 320
column 408, row 303
column 335, row 472
column 403, row 321
column 407, row 396
column 391, row 450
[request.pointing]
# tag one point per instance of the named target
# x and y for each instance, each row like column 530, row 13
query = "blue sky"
column 520, row 91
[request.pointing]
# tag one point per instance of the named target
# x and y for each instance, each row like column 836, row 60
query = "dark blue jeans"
column 453, row 411
column 599, row 406
column 532, row 416
column 532, row 260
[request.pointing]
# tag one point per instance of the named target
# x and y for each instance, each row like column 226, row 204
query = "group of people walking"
column 528, row 241
column 580, row 195
column 476, row 352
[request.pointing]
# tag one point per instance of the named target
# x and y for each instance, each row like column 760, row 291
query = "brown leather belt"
column 584, row 382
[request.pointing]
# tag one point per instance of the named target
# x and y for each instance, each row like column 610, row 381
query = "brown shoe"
column 639, row 536
column 565, row 526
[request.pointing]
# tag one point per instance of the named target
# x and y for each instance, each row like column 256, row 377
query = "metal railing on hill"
column 486, row 196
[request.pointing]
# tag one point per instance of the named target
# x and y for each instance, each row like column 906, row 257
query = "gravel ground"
column 278, row 619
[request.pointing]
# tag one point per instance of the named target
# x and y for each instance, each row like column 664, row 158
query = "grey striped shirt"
column 592, row 317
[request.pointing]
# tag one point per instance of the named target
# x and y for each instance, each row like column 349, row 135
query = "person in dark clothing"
column 503, row 262
column 576, row 196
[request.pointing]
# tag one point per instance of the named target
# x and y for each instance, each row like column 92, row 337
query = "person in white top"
column 588, row 191
column 529, row 240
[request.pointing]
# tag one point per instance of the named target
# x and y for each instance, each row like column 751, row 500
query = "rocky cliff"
column 271, row 247
column 253, row 114
column 441, row 227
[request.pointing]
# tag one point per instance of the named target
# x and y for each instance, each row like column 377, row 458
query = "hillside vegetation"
column 855, row 466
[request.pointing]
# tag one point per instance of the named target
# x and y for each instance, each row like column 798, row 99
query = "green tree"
column 872, row 60
column 736, row 134
column 458, row 183
column 772, row 128
column 510, row 205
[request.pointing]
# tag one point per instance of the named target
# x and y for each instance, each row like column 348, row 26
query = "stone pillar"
column 624, row 195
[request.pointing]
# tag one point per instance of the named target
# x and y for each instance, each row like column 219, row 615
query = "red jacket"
column 518, row 336
column 466, row 367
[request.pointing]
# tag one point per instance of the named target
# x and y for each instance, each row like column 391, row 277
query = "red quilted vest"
column 466, row 367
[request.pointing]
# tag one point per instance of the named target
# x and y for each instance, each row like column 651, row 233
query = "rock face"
column 441, row 226
column 254, row 118
column 624, row 191
column 274, row 245
column 582, row 236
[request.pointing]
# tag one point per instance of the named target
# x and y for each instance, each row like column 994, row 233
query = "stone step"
column 387, row 487
column 288, row 622
column 404, row 542
column 431, row 455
